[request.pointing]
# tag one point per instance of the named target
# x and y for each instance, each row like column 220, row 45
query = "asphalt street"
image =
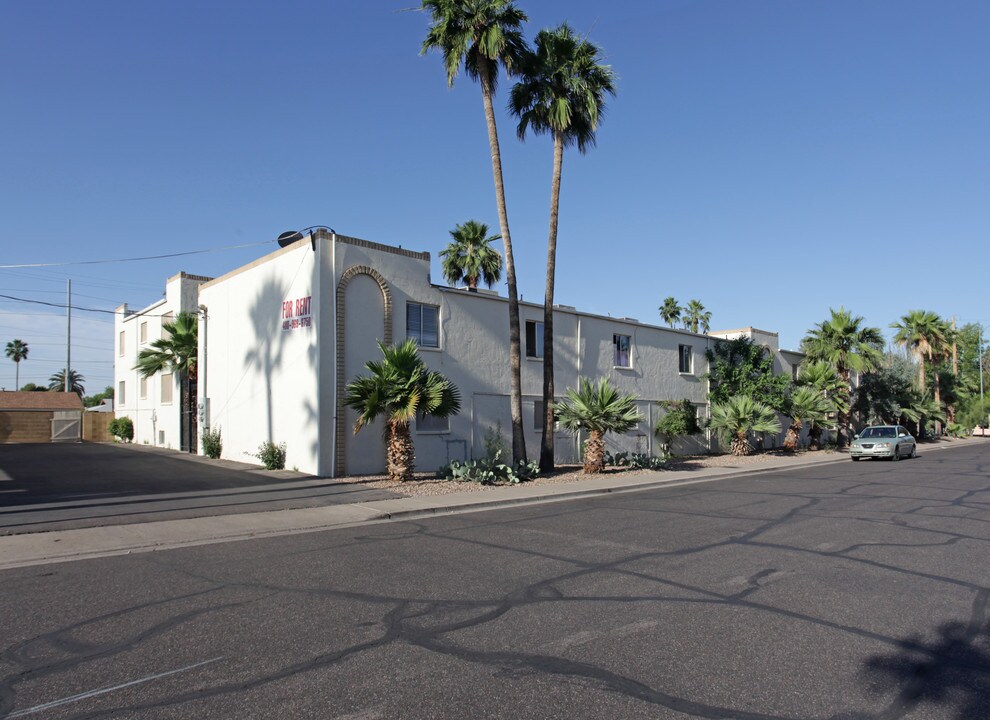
column 65, row 486
column 849, row 591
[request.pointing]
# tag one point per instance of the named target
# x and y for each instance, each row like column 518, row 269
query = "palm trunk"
column 740, row 444
column 594, row 453
column 515, row 349
column 793, row 437
column 546, row 444
column 922, row 421
column 399, row 455
column 814, row 437
column 17, row 375
column 842, row 416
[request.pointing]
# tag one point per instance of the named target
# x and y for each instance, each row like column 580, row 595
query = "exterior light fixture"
column 292, row 236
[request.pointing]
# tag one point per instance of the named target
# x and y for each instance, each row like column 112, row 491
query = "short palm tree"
column 470, row 257
column 561, row 93
column 805, row 405
column 670, row 311
column 824, row 379
column 696, row 318
column 739, row 416
column 843, row 341
column 483, row 35
column 177, row 351
column 598, row 408
column 399, row 388
column 17, row 350
column 56, row 383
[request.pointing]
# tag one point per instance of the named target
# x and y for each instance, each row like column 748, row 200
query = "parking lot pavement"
column 64, row 486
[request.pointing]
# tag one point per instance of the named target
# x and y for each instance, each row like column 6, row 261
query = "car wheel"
column 914, row 452
column 897, row 454
column 855, row 459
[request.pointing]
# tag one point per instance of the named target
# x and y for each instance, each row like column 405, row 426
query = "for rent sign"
column 297, row 313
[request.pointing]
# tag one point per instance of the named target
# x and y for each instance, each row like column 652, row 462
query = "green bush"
column 620, row 459
column 489, row 471
column 212, row 443
column 122, row 428
column 272, row 456
column 642, row 461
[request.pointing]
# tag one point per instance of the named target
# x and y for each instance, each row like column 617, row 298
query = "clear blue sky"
column 770, row 158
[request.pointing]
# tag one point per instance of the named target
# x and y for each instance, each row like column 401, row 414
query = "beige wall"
column 25, row 426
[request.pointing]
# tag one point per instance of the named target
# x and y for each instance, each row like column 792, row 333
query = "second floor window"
column 685, row 361
column 121, row 343
column 534, row 339
column 423, row 324
column 622, row 344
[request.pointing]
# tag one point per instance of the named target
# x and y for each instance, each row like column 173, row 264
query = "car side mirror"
column 902, row 435
column 856, row 436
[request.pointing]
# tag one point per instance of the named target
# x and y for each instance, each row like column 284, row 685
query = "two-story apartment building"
column 153, row 404
column 281, row 337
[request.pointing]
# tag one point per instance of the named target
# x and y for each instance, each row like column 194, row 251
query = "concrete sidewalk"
column 66, row 545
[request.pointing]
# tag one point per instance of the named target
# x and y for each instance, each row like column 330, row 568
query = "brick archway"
column 340, row 465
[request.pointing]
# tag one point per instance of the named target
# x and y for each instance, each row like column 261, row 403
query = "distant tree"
column 561, row 92
column 483, row 35
column 598, row 408
column 94, row 400
column 741, row 367
column 850, row 347
column 56, row 383
column 470, row 257
column 736, row 418
column 696, row 318
column 399, row 388
column 32, row 387
column 17, row 350
column 670, row 311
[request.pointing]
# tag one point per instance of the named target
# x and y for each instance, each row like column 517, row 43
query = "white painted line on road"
column 101, row 691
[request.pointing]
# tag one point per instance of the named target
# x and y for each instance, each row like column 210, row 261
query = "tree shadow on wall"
column 950, row 672
column 266, row 319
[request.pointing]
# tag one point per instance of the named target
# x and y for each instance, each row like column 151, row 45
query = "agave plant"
column 598, row 408
column 739, row 416
column 805, row 405
column 399, row 388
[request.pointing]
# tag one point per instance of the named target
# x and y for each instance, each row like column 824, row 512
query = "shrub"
column 489, row 471
column 620, row 459
column 212, row 443
column 272, row 456
column 122, row 428
column 642, row 461
column 679, row 420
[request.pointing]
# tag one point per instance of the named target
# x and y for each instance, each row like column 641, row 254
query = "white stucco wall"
column 261, row 378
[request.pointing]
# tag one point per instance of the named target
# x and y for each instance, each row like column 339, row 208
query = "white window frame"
column 690, row 359
column 538, row 338
column 615, row 351
column 412, row 307
column 121, row 398
column 167, row 381
column 143, row 388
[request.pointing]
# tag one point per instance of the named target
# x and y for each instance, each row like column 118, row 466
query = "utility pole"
column 68, row 331
column 979, row 358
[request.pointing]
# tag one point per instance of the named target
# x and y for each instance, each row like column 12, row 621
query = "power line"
column 135, row 259
column 74, row 307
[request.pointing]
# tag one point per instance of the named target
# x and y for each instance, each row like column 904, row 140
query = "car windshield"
column 879, row 432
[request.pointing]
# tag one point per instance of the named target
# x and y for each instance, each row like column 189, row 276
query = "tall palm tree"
column 17, row 350
column 484, row 34
column 670, row 311
column 804, row 405
column 598, row 408
column 399, row 388
column 470, row 256
column 822, row 377
column 56, row 383
column 923, row 333
column 843, row 341
column 739, row 416
column 696, row 318
column 177, row 351
column 561, row 93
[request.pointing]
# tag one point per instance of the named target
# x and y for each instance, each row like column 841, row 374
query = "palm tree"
column 177, row 351
column 670, row 311
column 561, row 93
column 696, row 317
column 399, row 388
column 739, row 416
column 824, row 379
column 805, row 405
column 17, row 350
column 470, row 256
column 598, row 408
column 56, row 383
column 924, row 334
column 483, row 34
column 848, row 346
